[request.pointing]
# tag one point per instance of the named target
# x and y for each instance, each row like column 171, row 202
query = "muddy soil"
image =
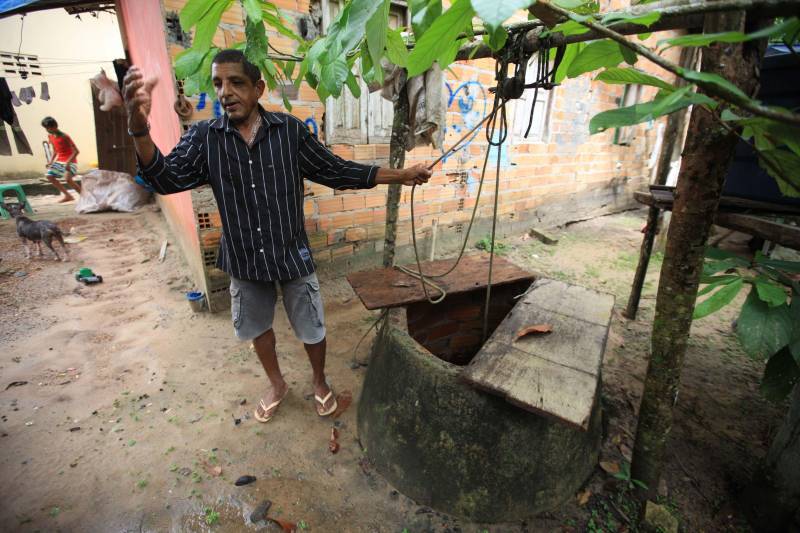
column 135, row 414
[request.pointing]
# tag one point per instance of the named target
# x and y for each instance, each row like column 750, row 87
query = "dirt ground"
column 131, row 401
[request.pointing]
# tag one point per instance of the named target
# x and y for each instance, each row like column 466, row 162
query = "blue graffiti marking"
column 217, row 109
column 311, row 124
column 201, row 104
column 466, row 106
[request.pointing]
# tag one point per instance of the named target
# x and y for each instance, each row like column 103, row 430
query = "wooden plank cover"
column 555, row 374
column 389, row 287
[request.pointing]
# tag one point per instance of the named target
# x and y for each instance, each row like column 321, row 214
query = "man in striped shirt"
column 255, row 161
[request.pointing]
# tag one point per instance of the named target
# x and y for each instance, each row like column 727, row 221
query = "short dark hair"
column 231, row 55
column 49, row 122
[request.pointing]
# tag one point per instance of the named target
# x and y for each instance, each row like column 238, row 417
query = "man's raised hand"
column 137, row 92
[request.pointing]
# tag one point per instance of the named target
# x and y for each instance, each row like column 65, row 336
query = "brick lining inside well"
column 451, row 330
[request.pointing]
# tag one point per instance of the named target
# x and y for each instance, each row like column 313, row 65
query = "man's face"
column 237, row 94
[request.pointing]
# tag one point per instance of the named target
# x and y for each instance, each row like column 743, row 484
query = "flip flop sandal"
column 270, row 409
column 323, row 401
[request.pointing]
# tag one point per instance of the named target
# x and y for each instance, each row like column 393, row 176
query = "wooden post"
column 397, row 157
column 709, row 149
column 673, row 138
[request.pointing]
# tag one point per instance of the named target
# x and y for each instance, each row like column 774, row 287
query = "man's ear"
column 260, row 87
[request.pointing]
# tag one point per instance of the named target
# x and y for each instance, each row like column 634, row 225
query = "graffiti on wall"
column 469, row 114
column 311, row 124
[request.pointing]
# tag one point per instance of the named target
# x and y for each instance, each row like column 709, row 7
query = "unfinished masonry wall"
column 561, row 174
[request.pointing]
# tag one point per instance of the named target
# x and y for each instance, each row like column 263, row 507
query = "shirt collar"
column 270, row 118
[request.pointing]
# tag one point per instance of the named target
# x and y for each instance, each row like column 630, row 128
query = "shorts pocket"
column 236, row 306
column 315, row 302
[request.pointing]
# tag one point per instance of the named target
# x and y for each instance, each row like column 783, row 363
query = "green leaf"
column 718, row 300
column 788, row 174
column 770, row 293
column 763, row 330
column 644, row 36
column 713, row 79
column 701, row 39
column 396, row 50
column 191, row 85
column 253, row 9
column 786, row 266
column 496, row 38
column 638, row 113
column 334, row 75
column 712, row 252
column 377, row 27
column 256, row 49
column 277, row 23
column 188, row 62
column 714, row 282
column 780, row 376
column 569, row 27
column 193, row 11
column 207, row 26
column 448, row 55
column 629, row 55
column 626, row 76
column 443, row 31
column 495, row 12
column 597, row 54
column 643, row 20
column 288, row 69
column 794, row 313
column 570, row 54
column 204, row 74
column 352, row 84
column 423, row 13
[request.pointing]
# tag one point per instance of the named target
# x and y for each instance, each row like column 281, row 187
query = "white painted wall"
column 71, row 52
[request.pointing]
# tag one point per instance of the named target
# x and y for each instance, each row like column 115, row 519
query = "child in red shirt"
column 63, row 162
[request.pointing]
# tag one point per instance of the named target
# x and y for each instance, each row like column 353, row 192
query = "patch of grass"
column 626, row 261
column 131, row 443
column 196, row 477
column 54, row 512
column 142, row 483
column 169, row 450
column 592, row 271
column 211, row 516
column 485, row 244
column 302, row 524
column 195, row 494
column 173, row 468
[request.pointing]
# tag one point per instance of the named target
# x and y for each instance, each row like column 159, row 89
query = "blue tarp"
column 8, row 5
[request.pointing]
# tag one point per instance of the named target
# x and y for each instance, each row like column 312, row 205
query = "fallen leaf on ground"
column 536, row 329
column 343, row 399
column 287, row 526
column 583, row 497
column 215, row 471
column 609, row 467
column 333, row 446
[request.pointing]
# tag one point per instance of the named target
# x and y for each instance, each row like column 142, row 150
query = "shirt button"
column 250, row 161
column 259, row 229
column 253, row 185
column 261, row 250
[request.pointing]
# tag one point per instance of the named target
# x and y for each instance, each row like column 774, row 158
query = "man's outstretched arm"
column 185, row 167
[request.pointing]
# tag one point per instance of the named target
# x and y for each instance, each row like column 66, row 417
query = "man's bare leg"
column 61, row 188
column 265, row 348
column 316, row 354
column 71, row 182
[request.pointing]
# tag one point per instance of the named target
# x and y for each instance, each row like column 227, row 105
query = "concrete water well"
column 448, row 445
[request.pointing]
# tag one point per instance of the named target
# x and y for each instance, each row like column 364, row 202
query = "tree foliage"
column 359, row 41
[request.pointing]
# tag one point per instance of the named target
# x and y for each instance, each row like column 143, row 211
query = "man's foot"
column 325, row 399
column 270, row 402
column 67, row 198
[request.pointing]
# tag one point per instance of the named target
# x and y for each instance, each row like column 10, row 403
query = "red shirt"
column 62, row 144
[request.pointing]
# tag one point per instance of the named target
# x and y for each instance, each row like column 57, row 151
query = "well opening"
column 452, row 329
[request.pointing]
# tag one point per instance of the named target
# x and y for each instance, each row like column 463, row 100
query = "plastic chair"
column 16, row 188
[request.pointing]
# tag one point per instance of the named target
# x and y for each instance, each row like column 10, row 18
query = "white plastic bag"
column 106, row 190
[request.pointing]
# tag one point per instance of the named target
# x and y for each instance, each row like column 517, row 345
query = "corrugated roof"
column 17, row 7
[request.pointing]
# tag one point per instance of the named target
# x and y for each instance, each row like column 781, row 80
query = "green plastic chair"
column 21, row 198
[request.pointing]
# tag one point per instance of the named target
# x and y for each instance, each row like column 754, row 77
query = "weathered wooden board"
column 389, row 287
column 556, row 374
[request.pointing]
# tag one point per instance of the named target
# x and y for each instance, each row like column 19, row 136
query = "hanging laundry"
column 44, row 93
column 6, row 99
column 19, row 138
column 108, row 94
column 15, row 100
column 5, row 145
column 27, row 94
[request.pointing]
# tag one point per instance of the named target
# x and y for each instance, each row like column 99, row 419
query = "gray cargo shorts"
column 253, row 307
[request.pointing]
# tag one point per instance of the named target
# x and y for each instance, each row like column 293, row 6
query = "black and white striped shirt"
column 259, row 189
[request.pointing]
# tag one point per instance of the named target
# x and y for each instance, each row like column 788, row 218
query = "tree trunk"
column 772, row 501
column 397, row 158
column 673, row 138
column 708, row 151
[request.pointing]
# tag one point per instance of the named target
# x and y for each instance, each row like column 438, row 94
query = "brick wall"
column 567, row 175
